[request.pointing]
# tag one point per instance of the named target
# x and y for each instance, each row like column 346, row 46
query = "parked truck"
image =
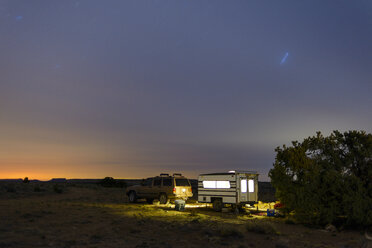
column 236, row 188
column 163, row 187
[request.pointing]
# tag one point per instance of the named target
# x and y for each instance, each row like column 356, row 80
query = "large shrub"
column 326, row 179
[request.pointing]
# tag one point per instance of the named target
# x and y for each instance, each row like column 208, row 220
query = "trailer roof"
column 230, row 172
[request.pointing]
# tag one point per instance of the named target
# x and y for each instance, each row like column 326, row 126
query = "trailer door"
column 243, row 189
column 252, row 191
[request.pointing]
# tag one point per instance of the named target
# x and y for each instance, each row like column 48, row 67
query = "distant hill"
column 11, row 180
column 58, row 180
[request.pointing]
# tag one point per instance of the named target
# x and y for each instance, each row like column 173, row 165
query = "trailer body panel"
column 234, row 187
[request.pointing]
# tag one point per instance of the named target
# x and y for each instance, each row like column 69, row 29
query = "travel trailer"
column 234, row 187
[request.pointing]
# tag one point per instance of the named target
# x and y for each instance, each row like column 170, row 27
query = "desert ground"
column 62, row 215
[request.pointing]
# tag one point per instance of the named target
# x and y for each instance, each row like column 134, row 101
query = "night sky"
column 129, row 89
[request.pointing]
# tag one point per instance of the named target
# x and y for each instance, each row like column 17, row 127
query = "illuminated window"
column 251, row 185
column 223, row 184
column 216, row 184
column 209, row 184
column 243, row 185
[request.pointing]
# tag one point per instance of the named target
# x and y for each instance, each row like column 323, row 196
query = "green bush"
column 325, row 178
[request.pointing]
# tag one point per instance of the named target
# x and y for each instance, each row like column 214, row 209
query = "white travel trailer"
column 234, row 187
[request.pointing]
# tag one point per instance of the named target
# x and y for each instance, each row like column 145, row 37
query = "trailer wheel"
column 132, row 197
column 217, row 205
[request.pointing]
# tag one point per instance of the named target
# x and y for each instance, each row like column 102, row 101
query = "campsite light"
column 174, row 190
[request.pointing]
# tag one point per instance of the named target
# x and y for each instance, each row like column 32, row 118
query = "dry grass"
column 91, row 216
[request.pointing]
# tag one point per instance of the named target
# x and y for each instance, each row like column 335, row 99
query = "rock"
column 282, row 243
column 367, row 240
column 331, row 228
column 143, row 245
column 225, row 210
column 345, row 246
column 195, row 221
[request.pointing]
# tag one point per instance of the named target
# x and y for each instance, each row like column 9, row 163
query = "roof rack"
column 177, row 174
column 164, row 174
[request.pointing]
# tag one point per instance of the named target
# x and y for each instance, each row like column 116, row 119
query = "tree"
column 111, row 182
column 108, row 182
column 25, row 180
column 326, row 179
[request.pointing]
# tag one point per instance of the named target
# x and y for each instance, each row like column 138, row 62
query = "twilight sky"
column 129, row 89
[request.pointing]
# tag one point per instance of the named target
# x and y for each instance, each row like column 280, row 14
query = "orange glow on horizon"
column 46, row 176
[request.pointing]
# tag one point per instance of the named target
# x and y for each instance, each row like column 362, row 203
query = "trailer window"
column 216, row 184
column 243, row 185
column 223, row 185
column 251, row 185
column 209, row 184
column 182, row 182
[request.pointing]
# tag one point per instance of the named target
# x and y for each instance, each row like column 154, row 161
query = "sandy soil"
column 100, row 217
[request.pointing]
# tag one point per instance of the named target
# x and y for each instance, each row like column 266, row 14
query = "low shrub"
column 290, row 221
column 229, row 232
column 259, row 226
column 11, row 189
column 37, row 188
column 58, row 189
